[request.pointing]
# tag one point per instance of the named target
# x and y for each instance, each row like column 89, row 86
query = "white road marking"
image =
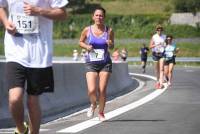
column 62, row 119
column 92, row 122
column 144, row 75
column 190, row 71
column 10, row 131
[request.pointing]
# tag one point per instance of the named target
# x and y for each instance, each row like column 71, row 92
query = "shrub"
column 124, row 26
column 187, row 5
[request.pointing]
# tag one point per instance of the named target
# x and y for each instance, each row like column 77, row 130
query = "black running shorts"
column 106, row 67
column 168, row 61
column 157, row 56
column 38, row 80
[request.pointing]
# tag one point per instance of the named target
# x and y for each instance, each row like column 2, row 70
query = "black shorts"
column 106, row 67
column 38, row 80
column 157, row 56
column 144, row 59
column 124, row 58
column 169, row 60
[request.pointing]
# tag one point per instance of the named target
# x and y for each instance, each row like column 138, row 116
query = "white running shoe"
column 90, row 112
column 169, row 84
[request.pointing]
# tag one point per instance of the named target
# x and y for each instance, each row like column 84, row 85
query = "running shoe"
column 165, row 81
column 26, row 129
column 169, row 84
column 161, row 86
column 101, row 116
column 90, row 112
column 157, row 85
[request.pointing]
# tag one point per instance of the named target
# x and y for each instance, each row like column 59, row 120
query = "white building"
column 185, row 18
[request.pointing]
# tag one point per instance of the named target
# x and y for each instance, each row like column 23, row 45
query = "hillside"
column 128, row 18
column 132, row 7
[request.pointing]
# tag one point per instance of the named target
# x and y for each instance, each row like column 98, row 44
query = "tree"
column 76, row 4
column 187, row 5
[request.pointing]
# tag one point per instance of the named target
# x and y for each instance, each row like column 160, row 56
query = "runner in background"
column 75, row 55
column 170, row 55
column 144, row 55
column 97, row 39
column 116, row 55
column 124, row 54
column 157, row 45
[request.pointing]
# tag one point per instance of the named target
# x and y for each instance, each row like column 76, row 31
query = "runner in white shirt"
column 157, row 45
column 28, row 52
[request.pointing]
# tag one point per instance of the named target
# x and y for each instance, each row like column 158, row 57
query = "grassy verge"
column 150, row 63
column 131, row 7
column 186, row 49
column 1, row 49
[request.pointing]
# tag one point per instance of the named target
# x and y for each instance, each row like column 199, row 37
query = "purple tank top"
column 100, row 53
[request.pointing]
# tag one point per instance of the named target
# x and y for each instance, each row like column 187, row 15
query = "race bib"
column 25, row 24
column 169, row 54
column 159, row 49
column 97, row 55
column 169, row 51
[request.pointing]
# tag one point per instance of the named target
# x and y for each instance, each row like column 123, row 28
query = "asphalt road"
column 173, row 111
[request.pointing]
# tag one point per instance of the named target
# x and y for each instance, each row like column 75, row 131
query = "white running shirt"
column 159, row 41
column 34, row 49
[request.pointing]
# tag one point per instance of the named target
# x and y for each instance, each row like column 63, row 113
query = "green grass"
column 188, row 64
column 186, row 49
column 189, row 50
column 128, row 18
column 150, row 63
column 65, row 50
column 132, row 7
column 1, row 49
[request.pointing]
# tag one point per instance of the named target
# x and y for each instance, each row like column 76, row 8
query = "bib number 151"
column 25, row 24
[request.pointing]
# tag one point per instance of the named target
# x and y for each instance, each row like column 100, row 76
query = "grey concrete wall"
column 70, row 89
column 185, row 18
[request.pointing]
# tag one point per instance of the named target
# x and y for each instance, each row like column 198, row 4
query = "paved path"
column 171, row 111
